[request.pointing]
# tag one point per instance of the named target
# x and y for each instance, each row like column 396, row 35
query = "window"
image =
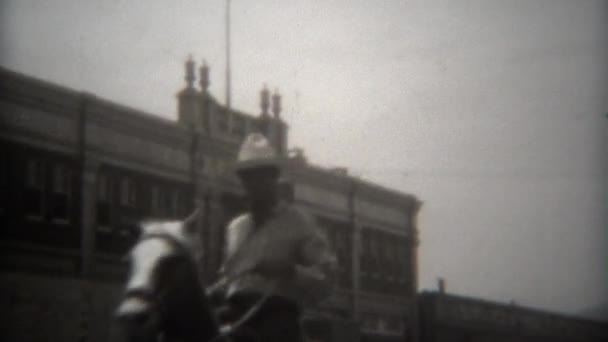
column 34, row 189
column 380, row 268
column 104, row 190
column 104, row 199
column 160, row 201
column 401, row 258
column 163, row 201
column 387, row 247
column 35, row 174
column 61, row 193
column 344, row 251
column 154, row 200
column 4, row 186
column 175, row 204
column 374, row 253
column 127, row 193
column 365, row 251
column 392, row 244
column 61, row 179
column 340, row 240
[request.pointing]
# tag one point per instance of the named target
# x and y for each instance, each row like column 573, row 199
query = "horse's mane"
column 174, row 229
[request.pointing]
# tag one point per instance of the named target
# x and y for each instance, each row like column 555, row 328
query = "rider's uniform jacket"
column 289, row 235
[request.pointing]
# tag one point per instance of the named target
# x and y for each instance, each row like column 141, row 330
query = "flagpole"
column 228, row 71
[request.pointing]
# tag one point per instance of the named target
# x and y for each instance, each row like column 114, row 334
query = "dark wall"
column 38, row 308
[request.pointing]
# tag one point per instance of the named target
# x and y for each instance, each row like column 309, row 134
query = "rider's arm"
column 316, row 266
column 236, row 233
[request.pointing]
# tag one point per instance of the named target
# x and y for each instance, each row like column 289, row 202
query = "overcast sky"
column 493, row 113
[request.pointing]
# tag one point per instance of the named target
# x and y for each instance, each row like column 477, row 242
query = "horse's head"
column 162, row 276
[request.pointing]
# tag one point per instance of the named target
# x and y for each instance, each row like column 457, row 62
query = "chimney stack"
column 276, row 104
column 264, row 101
column 441, row 285
column 204, row 77
column 190, row 72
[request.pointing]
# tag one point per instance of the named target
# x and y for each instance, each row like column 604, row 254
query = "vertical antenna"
column 228, row 88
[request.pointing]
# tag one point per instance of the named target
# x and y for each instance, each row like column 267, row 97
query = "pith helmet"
column 256, row 152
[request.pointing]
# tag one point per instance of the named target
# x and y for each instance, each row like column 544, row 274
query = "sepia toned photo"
column 314, row 171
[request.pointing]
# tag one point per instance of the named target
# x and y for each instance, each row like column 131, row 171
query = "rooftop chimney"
column 441, row 285
column 276, row 104
column 264, row 100
column 190, row 72
column 204, row 77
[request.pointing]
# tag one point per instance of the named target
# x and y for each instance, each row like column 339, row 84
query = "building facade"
column 445, row 317
column 78, row 172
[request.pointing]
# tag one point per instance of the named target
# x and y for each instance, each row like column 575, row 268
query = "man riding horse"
column 276, row 262
column 280, row 251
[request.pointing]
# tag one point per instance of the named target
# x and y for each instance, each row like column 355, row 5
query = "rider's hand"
column 276, row 268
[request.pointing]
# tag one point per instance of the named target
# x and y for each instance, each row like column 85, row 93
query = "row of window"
column 44, row 198
column 383, row 253
column 381, row 245
column 384, row 262
column 45, row 190
column 124, row 200
column 162, row 200
column 50, row 191
column 38, row 196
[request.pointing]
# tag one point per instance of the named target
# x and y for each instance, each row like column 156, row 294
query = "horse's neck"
column 191, row 314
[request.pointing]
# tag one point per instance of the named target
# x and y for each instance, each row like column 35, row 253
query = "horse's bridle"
column 146, row 295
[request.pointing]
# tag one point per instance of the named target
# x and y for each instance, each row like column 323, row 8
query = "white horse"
column 164, row 296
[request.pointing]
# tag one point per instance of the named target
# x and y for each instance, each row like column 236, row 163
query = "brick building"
column 78, row 171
